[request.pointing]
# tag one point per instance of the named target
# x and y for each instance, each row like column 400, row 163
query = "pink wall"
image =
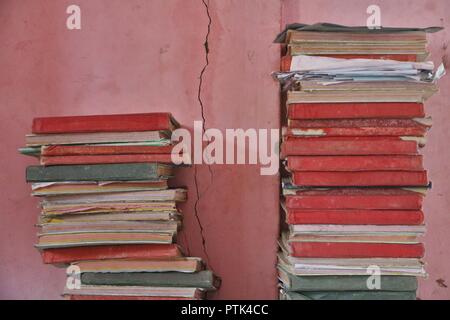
column 137, row 56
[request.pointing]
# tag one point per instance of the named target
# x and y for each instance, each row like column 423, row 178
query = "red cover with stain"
column 355, row 110
column 343, row 198
column 361, row 178
column 286, row 60
column 68, row 150
column 104, row 123
column 293, row 146
column 355, row 217
column 98, row 159
column 355, row 250
column 140, row 251
column 355, row 163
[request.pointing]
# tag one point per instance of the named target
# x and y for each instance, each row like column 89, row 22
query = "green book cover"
column 351, row 295
column 98, row 172
column 203, row 279
column 345, row 283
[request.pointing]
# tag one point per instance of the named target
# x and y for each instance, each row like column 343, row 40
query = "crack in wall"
column 202, row 110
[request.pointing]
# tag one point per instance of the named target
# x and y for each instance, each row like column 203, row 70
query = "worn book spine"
column 361, row 178
column 141, row 251
column 351, row 295
column 355, row 132
column 96, row 172
column 104, row 123
column 203, row 279
column 355, row 217
column 355, row 163
column 355, row 250
column 355, row 110
column 105, row 159
column 78, row 150
column 348, row 146
column 376, row 202
column 287, row 59
column 348, row 283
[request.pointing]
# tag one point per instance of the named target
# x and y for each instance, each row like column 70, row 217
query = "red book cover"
column 355, row 163
column 347, row 146
column 105, row 123
column 99, row 159
column 78, row 150
column 92, row 297
column 355, row 110
column 370, row 199
column 355, row 217
column 355, row 250
column 362, row 178
column 365, row 131
column 286, row 60
column 140, row 251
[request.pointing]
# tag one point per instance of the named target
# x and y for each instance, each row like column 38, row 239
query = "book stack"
column 354, row 179
column 107, row 210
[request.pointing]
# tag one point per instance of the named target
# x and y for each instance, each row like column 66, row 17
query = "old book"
column 179, row 264
column 348, row 266
column 83, row 217
column 350, row 295
column 355, row 250
column 138, row 251
column 344, row 283
column 203, row 279
column 336, row 146
column 357, row 230
column 354, row 217
column 356, row 163
column 94, row 187
column 67, row 240
column 372, row 199
column 113, row 207
column 104, row 159
column 353, row 110
column 106, row 123
column 135, row 291
column 120, row 298
column 144, row 138
column 361, row 178
column 81, row 150
column 358, row 127
column 109, row 226
column 287, row 59
column 99, row 172
column 132, row 196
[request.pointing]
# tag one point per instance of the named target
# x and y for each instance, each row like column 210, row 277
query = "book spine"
column 96, row 172
column 355, row 163
column 67, row 255
column 327, row 146
column 60, row 150
column 355, row 110
column 102, row 123
column 106, row 297
column 287, row 59
column 106, row 159
column 355, row 217
column 363, row 131
column 362, row 178
column 370, row 202
column 355, row 250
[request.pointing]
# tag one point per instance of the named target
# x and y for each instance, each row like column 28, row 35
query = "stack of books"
column 107, row 210
column 354, row 179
